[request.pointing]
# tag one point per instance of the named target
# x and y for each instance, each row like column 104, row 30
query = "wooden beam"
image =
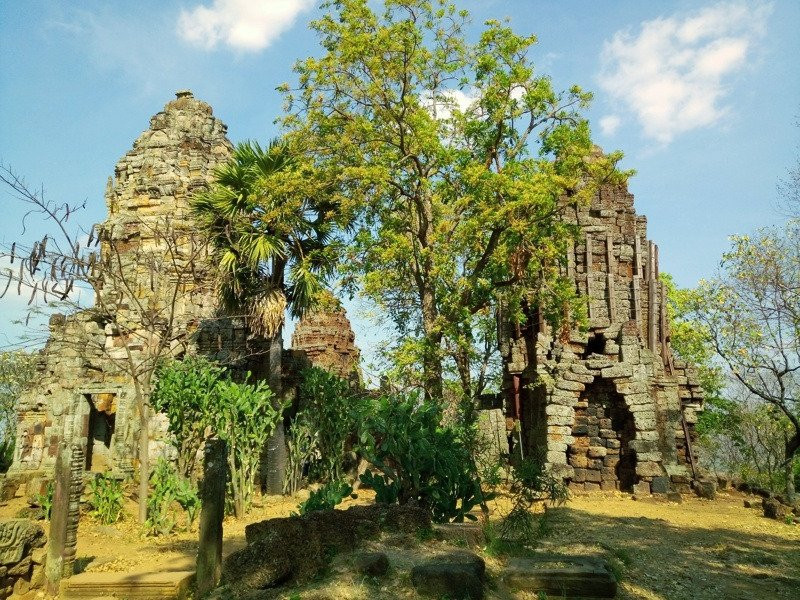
column 612, row 267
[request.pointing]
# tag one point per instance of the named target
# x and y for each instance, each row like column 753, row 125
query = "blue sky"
column 702, row 97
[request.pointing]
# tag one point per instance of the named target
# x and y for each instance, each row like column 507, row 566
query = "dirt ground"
column 698, row 549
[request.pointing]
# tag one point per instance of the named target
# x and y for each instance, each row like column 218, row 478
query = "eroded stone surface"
column 612, row 406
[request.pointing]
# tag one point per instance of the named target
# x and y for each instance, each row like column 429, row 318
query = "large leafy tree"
column 751, row 311
column 271, row 229
column 444, row 151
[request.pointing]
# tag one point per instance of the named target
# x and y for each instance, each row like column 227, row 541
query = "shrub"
column 519, row 529
column 418, row 459
column 328, row 403
column 167, row 489
column 106, row 499
column 301, row 444
column 245, row 418
column 185, row 391
column 326, row 497
column 45, row 501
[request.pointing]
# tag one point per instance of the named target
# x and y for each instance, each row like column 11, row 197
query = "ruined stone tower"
column 84, row 394
column 610, row 408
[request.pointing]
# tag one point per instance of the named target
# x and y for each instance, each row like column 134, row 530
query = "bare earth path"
column 695, row 550
column 699, row 549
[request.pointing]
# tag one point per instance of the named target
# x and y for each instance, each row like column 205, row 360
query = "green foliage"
column 266, row 227
column 301, row 445
column 751, row 311
column 168, row 489
column 185, row 391
column 106, row 499
column 326, row 497
column 691, row 341
column 418, row 459
column 17, row 370
column 45, row 501
column 519, row 529
column 329, row 405
column 244, row 416
column 453, row 207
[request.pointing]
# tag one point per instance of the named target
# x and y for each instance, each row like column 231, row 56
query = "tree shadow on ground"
column 674, row 562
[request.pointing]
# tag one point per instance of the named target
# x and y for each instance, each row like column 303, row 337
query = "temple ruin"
column 84, row 395
column 609, row 408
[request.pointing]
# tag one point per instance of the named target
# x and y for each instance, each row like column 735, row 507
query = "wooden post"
column 64, row 516
column 209, row 552
column 651, row 298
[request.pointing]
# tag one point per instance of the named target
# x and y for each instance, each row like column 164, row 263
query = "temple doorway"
column 603, row 429
column 100, row 431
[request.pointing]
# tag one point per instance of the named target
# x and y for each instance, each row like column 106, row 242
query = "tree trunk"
column 792, row 446
column 432, row 358
column 144, row 460
column 212, row 513
column 276, row 445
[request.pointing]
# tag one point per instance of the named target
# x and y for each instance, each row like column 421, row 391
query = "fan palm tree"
column 273, row 241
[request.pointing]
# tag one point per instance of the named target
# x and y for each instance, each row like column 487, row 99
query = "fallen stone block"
column 561, row 576
column 458, row 576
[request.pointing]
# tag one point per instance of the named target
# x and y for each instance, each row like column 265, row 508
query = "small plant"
column 45, row 502
column 167, row 490
column 519, row 529
column 301, row 445
column 106, row 499
column 326, row 497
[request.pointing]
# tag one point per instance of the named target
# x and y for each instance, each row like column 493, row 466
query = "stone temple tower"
column 610, row 408
column 84, row 394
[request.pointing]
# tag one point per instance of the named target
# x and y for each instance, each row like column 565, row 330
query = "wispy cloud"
column 609, row 124
column 245, row 25
column 672, row 73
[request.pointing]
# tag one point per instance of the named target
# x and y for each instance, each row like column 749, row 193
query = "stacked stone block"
column 81, row 369
column 652, row 400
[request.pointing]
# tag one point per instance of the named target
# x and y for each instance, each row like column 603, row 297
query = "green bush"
column 168, row 489
column 418, row 459
column 244, row 417
column 326, row 497
column 185, row 392
column 328, row 403
column 106, row 499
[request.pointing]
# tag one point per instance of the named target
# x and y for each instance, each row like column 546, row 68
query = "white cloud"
column 672, row 75
column 609, row 124
column 246, row 25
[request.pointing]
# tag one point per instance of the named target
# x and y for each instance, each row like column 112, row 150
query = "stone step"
column 167, row 585
column 561, row 576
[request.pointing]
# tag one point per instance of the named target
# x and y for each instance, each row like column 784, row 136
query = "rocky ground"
column 698, row 549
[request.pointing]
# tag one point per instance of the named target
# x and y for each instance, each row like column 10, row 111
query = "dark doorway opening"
column 102, row 418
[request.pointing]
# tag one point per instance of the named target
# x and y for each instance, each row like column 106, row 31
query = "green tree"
column 751, row 311
column 444, row 152
column 271, row 231
column 17, row 370
column 691, row 341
